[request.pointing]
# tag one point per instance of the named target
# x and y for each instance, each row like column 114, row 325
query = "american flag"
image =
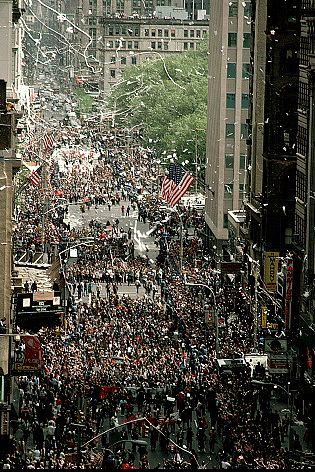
column 48, row 141
column 176, row 184
column 35, row 177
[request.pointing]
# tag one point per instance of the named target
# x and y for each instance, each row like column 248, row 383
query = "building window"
column 137, row 32
column 192, row 33
column 117, row 30
column 232, row 40
column 230, row 100
column 159, row 33
column 159, row 45
column 172, row 33
column 136, row 45
column 165, row 46
column 146, row 32
column 242, row 190
column 233, row 7
column 110, row 44
column 123, row 29
column 110, row 31
column 185, row 46
column 303, row 96
column 198, row 34
column 299, row 231
column 185, row 33
column 245, row 100
column 123, row 60
column 129, row 44
column 305, row 49
column 153, row 33
column 228, row 190
column 153, row 45
column 244, row 131
column 231, row 70
column 301, row 140
column 300, row 186
column 113, row 59
column 230, row 130
column 166, row 33
column 243, row 161
column 117, row 43
column 229, row 161
column 112, row 73
column 204, row 33
column 246, row 40
column 133, row 60
column 247, row 9
column 246, row 72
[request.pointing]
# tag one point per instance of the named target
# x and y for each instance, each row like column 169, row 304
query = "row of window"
column 232, row 40
column 123, row 44
column 231, row 70
column 159, row 33
column 123, row 60
column 159, row 45
column 230, row 100
column 195, row 33
column 123, row 29
column 230, row 130
column 229, row 161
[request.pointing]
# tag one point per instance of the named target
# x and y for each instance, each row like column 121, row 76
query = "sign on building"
column 271, row 270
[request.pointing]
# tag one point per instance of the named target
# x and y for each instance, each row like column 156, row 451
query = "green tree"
column 166, row 97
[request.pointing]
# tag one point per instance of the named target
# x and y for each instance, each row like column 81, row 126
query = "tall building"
column 228, row 103
column 10, row 73
column 105, row 36
column 304, row 235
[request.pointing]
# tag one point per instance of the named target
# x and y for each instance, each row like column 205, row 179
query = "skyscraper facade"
column 228, row 104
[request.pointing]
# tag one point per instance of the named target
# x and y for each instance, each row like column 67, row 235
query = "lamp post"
column 181, row 250
column 215, row 313
column 288, row 392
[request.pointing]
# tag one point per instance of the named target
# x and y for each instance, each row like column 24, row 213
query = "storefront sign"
column 28, row 357
column 264, row 312
column 271, row 270
column 288, row 293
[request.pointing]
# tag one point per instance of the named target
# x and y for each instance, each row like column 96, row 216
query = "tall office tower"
column 10, row 73
column 228, row 103
column 304, row 234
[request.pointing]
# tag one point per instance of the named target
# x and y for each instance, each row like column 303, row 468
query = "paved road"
column 140, row 231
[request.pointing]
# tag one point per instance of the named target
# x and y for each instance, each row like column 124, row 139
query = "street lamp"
column 290, row 399
column 215, row 313
column 181, row 251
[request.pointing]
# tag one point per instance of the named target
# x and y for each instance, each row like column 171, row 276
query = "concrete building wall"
column 6, row 43
column 228, row 103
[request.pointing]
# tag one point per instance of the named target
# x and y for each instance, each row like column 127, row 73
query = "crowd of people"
column 143, row 367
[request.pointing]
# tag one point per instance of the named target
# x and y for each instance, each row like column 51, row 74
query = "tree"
column 166, row 97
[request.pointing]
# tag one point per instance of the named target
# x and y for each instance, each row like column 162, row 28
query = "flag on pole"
column 175, row 184
column 35, row 177
column 48, row 141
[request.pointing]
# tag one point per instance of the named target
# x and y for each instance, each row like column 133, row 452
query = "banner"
column 288, row 292
column 264, row 313
column 271, row 270
column 28, row 357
